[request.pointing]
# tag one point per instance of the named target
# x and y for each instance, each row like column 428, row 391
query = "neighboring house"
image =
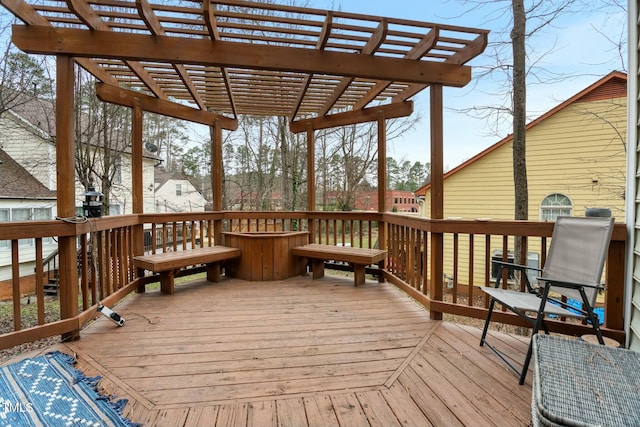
column 22, row 198
column 27, row 134
column 576, row 159
column 175, row 193
column 28, row 179
column 396, row 201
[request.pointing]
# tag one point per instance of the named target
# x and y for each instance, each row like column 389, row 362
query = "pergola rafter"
column 374, row 43
column 212, row 26
column 94, row 22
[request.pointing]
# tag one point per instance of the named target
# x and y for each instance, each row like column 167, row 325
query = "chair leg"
column 536, row 327
column 486, row 322
column 591, row 316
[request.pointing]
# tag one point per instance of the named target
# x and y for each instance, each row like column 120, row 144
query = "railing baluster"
column 471, row 270
column 102, row 262
column 40, row 281
column 15, row 282
column 93, row 266
column 84, row 271
column 505, row 258
column 454, row 290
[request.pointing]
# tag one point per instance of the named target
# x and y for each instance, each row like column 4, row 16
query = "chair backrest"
column 577, row 253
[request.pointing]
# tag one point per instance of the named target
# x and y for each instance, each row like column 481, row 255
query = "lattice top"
column 240, row 57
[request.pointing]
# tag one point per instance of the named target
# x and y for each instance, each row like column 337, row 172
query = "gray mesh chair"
column 573, row 269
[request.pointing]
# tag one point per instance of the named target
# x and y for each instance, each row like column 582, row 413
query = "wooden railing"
column 450, row 286
column 105, row 272
column 467, row 251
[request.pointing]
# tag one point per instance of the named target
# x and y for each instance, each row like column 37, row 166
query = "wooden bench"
column 169, row 263
column 357, row 258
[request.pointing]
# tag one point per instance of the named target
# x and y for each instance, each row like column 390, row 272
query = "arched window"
column 555, row 205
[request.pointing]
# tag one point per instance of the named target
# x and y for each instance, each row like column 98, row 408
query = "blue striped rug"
column 48, row 391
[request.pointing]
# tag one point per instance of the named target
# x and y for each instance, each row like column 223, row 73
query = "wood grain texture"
column 299, row 352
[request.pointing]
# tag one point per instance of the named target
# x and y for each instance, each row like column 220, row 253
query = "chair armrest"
column 570, row 285
column 515, row 266
column 519, row 267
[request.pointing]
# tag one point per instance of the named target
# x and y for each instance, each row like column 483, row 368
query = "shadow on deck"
column 299, row 353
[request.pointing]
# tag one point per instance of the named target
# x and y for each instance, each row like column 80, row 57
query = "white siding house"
column 27, row 134
column 28, row 179
column 175, row 193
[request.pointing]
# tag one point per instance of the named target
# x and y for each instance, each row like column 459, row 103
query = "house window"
column 4, row 217
column 178, row 189
column 25, row 214
column 115, row 210
column 22, row 214
column 555, row 205
column 41, row 214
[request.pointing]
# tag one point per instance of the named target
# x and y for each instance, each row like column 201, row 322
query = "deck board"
column 299, row 352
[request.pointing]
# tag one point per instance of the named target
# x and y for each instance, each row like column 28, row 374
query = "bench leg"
column 141, row 288
column 166, row 282
column 317, row 265
column 213, row 272
column 358, row 273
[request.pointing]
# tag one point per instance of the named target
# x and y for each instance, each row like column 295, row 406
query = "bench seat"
column 169, row 263
column 357, row 258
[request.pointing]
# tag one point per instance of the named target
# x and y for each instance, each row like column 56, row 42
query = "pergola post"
column 65, row 186
column 311, row 180
column 216, row 177
column 437, row 195
column 137, row 182
column 382, row 185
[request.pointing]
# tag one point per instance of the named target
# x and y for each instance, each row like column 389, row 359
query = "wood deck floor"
column 299, row 353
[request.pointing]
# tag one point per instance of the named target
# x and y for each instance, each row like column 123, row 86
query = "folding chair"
column 573, row 269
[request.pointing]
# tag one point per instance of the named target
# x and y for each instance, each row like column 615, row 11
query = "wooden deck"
column 299, row 353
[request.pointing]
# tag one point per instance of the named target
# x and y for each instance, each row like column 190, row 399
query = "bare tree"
column 518, row 34
column 168, row 138
column 611, row 181
column 103, row 136
column 22, row 76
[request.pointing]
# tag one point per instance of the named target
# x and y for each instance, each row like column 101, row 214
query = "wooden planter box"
column 266, row 255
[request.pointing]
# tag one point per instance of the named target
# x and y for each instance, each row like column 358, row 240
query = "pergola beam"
column 390, row 111
column 140, row 47
column 128, row 98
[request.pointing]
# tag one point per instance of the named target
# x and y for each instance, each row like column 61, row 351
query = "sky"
column 578, row 46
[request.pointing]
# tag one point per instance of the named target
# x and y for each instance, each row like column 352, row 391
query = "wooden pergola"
column 210, row 61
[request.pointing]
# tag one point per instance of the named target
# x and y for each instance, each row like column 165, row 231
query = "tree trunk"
column 519, row 111
column 521, row 192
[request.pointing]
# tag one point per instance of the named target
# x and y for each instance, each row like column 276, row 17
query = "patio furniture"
column 266, row 255
column 573, row 270
column 168, row 264
column 577, row 384
column 357, row 258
